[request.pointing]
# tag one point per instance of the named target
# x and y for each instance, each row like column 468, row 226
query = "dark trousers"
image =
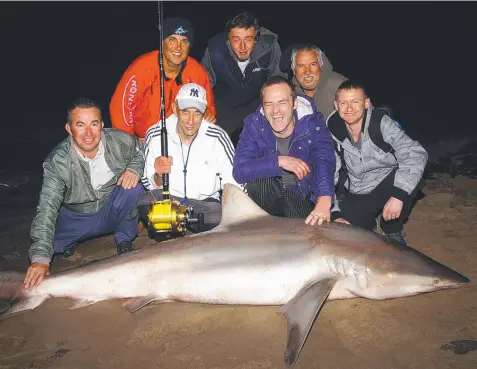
column 235, row 135
column 211, row 208
column 73, row 227
column 276, row 199
column 362, row 210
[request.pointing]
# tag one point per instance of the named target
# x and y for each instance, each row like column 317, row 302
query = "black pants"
column 278, row 200
column 362, row 210
column 235, row 135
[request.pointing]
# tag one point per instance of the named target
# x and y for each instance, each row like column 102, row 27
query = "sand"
column 400, row 333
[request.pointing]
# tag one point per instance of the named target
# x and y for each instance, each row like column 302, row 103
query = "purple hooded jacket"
column 256, row 155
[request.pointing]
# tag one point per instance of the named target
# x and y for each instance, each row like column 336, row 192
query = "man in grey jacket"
column 90, row 188
column 376, row 181
column 238, row 62
column 313, row 75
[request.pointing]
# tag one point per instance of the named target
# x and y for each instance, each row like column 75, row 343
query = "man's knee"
column 123, row 197
column 261, row 186
column 134, row 192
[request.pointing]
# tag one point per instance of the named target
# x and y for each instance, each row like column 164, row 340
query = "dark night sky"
column 419, row 58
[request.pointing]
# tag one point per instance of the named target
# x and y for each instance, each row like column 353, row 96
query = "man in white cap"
column 199, row 160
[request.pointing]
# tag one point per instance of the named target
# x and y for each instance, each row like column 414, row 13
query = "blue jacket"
column 257, row 157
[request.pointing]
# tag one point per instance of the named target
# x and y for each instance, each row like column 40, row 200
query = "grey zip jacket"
column 368, row 166
column 67, row 183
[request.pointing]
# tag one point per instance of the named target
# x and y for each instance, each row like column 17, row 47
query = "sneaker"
column 70, row 250
column 397, row 237
column 124, row 247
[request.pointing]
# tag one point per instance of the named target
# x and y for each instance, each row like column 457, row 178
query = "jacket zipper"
column 289, row 148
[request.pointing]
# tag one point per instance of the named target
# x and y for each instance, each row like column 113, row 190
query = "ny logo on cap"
column 194, row 92
column 180, row 31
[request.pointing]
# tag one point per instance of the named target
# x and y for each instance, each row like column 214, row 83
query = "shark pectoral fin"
column 301, row 312
column 136, row 303
column 82, row 303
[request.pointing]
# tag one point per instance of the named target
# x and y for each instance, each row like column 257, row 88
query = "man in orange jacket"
column 136, row 102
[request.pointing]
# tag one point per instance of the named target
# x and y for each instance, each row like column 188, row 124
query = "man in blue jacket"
column 285, row 155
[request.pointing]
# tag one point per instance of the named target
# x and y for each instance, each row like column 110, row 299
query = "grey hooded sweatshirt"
column 368, row 165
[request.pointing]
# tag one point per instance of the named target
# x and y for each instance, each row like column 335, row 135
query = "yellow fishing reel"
column 170, row 219
column 168, row 216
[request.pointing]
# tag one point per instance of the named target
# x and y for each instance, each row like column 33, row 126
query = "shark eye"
column 436, row 281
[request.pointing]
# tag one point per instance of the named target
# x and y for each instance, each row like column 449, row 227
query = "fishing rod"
column 162, row 112
column 168, row 218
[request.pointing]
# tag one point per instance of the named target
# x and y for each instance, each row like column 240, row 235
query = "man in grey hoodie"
column 313, row 75
column 378, row 180
column 238, row 62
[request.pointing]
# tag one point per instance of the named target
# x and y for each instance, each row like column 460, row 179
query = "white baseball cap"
column 192, row 95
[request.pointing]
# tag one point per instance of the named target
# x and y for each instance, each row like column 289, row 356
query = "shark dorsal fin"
column 237, row 207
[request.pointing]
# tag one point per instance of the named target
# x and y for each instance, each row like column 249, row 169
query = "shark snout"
column 452, row 278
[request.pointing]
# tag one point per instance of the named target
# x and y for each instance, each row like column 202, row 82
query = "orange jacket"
column 136, row 102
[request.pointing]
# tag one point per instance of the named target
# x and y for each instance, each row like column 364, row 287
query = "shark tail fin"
column 11, row 290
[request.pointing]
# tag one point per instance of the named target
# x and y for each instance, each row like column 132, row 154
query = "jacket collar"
column 266, row 130
column 178, row 78
column 337, row 125
column 171, row 125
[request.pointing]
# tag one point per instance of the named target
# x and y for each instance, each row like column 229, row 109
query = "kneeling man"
column 382, row 166
column 285, row 155
column 199, row 160
column 90, row 188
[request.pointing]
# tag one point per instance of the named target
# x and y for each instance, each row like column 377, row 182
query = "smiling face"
column 307, row 70
column 278, row 105
column 85, row 129
column 188, row 122
column 176, row 49
column 351, row 105
column 242, row 41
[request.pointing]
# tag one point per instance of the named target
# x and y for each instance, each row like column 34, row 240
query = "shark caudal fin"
column 237, row 207
column 11, row 290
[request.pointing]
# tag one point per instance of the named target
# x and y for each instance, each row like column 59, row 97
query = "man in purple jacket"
column 285, row 155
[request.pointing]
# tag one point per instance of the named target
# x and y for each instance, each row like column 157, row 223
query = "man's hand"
column 342, row 220
column 163, row 164
column 392, row 209
column 321, row 212
column 209, row 117
column 128, row 180
column 295, row 165
column 35, row 275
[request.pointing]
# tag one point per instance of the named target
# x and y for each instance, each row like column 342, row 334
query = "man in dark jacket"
column 238, row 62
column 313, row 75
column 285, row 155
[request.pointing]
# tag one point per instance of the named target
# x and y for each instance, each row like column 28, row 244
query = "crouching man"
column 199, row 160
column 285, row 155
column 383, row 166
column 90, row 188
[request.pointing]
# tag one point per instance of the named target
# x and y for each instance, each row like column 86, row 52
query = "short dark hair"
column 83, row 103
column 278, row 80
column 243, row 20
column 350, row 85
